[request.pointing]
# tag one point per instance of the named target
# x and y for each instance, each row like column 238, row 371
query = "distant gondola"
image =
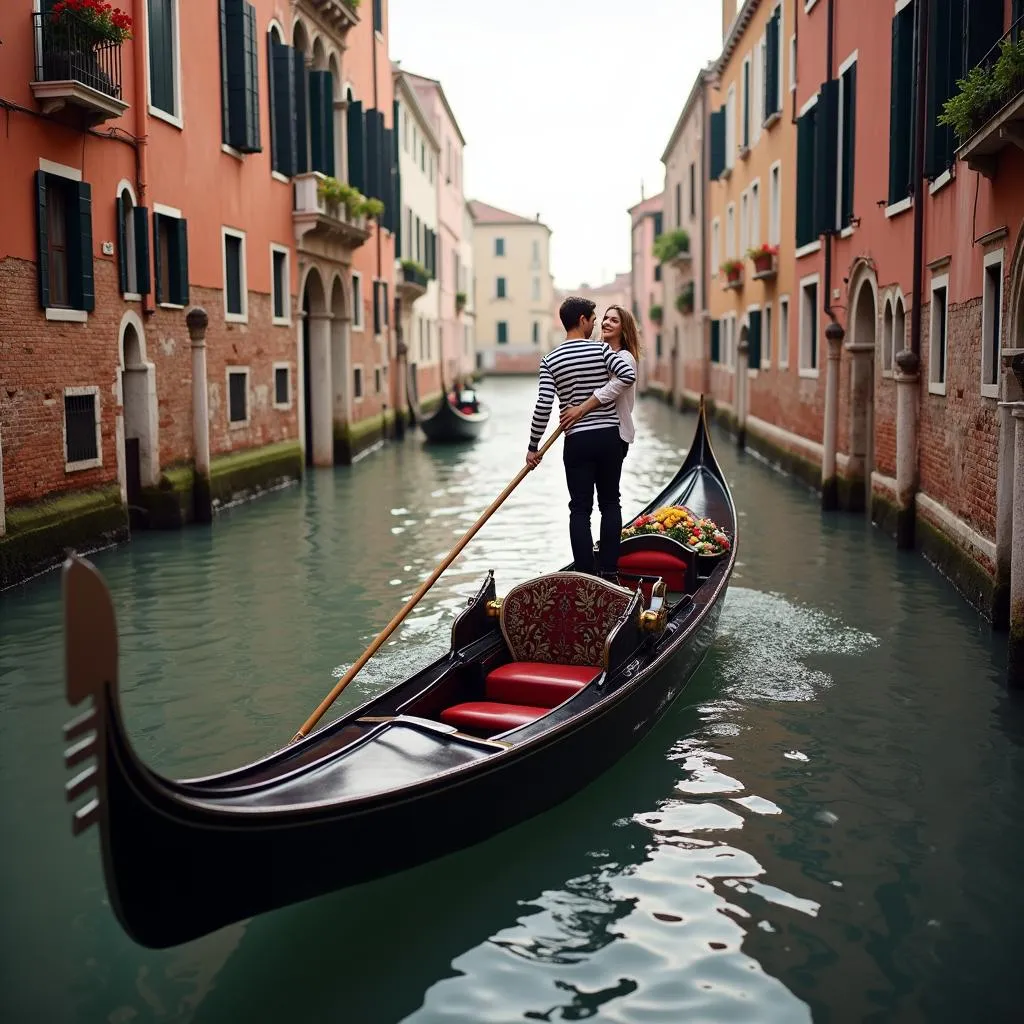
column 460, row 420
column 539, row 694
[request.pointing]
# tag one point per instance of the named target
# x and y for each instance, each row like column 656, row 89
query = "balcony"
column 765, row 265
column 1006, row 128
column 412, row 284
column 324, row 218
column 75, row 72
column 340, row 15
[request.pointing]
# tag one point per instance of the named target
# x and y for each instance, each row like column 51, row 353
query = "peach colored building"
column 754, row 378
column 181, row 168
column 684, row 274
column 646, row 292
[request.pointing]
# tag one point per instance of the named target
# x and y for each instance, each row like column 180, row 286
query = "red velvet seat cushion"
column 538, row 684
column 485, row 718
column 656, row 563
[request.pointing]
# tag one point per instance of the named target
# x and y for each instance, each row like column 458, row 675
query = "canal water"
column 828, row 825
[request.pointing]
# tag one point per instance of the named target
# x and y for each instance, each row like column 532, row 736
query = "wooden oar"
column 412, row 602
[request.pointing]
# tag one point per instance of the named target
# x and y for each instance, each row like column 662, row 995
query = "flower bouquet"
column 672, row 521
column 763, row 257
column 90, row 20
column 706, row 538
column 733, row 270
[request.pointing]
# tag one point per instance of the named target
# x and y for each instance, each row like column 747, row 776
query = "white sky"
column 565, row 105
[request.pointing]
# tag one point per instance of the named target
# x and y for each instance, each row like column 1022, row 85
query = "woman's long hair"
column 630, row 334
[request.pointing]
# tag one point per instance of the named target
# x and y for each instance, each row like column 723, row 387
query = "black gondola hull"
column 448, row 425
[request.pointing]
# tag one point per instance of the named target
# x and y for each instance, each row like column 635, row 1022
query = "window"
column 716, row 248
column 170, row 243
column 730, row 128
column 792, row 63
column 693, row 190
column 164, row 69
column 718, row 131
column 132, row 245
column 282, row 386
column 377, row 380
column 81, row 428
column 499, row 286
column 535, row 289
column 502, row 326
column 64, row 237
column 657, row 345
column 536, row 332
column 888, row 346
column 744, row 224
column 236, row 295
column 280, row 284
column 380, row 307
column 757, row 92
column 357, row 382
column 657, row 271
column 766, row 340
column 239, row 77
column 816, row 166
column 378, row 15
column 745, row 112
column 901, row 105
column 846, row 136
column 938, row 335
column 773, row 65
column 238, row 396
column 775, row 204
column 716, row 341
column 659, row 224
column 320, row 88
column 357, row 301
column 809, row 326
column 755, row 214
column 730, row 231
column 535, row 259
column 899, row 335
column 991, row 324
column 783, row 332
column 679, row 204
column 499, row 247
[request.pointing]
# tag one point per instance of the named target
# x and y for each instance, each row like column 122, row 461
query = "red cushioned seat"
column 538, row 684
column 656, row 563
column 485, row 717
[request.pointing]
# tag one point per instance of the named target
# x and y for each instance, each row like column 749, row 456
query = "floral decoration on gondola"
column 678, row 523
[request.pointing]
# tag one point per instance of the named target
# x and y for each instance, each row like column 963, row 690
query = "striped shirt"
column 574, row 371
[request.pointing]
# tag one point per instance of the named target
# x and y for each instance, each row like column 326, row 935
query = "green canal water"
column 828, row 825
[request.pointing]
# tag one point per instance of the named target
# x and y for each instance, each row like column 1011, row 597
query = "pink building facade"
column 646, row 294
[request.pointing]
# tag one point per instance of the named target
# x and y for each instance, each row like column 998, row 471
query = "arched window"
column 132, row 236
column 887, row 348
column 898, row 328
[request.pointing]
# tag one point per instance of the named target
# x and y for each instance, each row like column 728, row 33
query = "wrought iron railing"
column 71, row 52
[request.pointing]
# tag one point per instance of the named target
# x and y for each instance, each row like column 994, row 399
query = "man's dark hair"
column 572, row 309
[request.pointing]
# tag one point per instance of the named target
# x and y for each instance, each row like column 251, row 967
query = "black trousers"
column 593, row 461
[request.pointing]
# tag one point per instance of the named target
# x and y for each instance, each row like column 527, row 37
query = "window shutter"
column 388, row 161
column 396, row 168
column 316, row 122
column 179, row 276
column 984, row 28
column 225, row 73
column 301, row 92
column 746, row 105
column 251, row 83
column 122, row 246
column 805, row 178
column 849, row 143
column 157, row 259
column 284, row 108
column 327, row 120
column 717, row 129
column 754, row 339
column 373, row 154
column 42, row 241
column 945, row 61
column 86, row 298
column 771, row 66
column 901, row 91
column 716, row 341
column 140, row 225
column 826, row 157
column 356, row 125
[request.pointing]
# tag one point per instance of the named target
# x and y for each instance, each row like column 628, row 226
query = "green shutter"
column 805, row 178
column 716, row 342
column 984, row 28
column 945, row 64
column 746, row 105
column 826, row 157
column 356, row 126
column 122, row 245
column 42, row 241
column 397, row 194
column 140, row 225
column 300, row 78
column 849, row 143
column 717, row 129
column 388, row 163
column 284, row 108
column 374, row 145
column 225, row 75
column 179, row 279
column 771, row 66
column 316, row 124
column 251, row 82
column 158, row 226
column 754, row 339
column 86, row 288
column 327, row 120
column 901, row 99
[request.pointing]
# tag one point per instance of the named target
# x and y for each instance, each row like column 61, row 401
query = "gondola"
column 539, row 693
column 451, row 422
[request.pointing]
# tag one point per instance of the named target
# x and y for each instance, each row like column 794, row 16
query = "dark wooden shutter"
column 754, row 339
column 746, row 105
column 317, row 159
column 397, row 171
column 373, row 154
column 983, row 21
column 284, row 108
column 122, row 245
column 716, row 341
column 773, row 43
column 158, row 259
column 826, row 157
column 849, row 142
column 251, row 82
column 301, row 90
column 42, row 241
column 1016, row 14
column 805, row 178
column 945, row 66
column 901, row 92
column 327, row 121
column 388, row 161
column 84, row 284
column 179, row 276
column 717, row 129
column 161, row 55
column 140, row 225
column 225, row 71
column 356, row 125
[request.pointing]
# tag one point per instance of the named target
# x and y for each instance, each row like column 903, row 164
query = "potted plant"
column 460, row 302
column 684, row 300
column 655, row 314
column 763, row 257
column 733, row 270
column 670, row 245
column 986, row 90
column 89, row 22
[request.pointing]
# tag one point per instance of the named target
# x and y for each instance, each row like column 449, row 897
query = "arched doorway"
column 341, row 360
column 316, row 372
column 139, row 412
column 862, row 394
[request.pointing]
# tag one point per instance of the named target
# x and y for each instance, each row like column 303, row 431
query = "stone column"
column 908, row 377
column 829, row 479
column 1015, row 660
column 197, row 321
column 862, row 383
column 742, row 387
column 1009, row 391
column 321, row 411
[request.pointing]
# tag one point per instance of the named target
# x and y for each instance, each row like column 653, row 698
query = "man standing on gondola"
column 593, row 453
